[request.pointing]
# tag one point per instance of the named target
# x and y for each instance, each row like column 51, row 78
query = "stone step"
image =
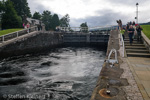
column 135, row 47
column 126, row 39
column 136, row 51
column 147, row 55
column 127, row 44
column 129, row 39
column 134, row 42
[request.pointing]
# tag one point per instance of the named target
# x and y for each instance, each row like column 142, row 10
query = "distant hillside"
column 148, row 23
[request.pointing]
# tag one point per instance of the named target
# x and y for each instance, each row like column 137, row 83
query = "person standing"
column 131, row 33
column 127, row 26
column 133, row 23
column 28, row 27
column 139, row 29
column 120, row 24
column 122, row 31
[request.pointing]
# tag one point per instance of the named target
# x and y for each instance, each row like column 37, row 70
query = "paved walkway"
column 140, row 68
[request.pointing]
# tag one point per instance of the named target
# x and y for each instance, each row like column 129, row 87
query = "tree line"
column 14, row 12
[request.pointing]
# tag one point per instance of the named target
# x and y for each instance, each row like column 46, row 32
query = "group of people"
column 133, row 30
column 26, row 25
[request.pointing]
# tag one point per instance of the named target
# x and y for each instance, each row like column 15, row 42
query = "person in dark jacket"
column 131, row 33
column 127, row 26
column 139, row 29
column 133, row 23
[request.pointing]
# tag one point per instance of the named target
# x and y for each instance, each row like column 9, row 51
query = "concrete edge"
column 146, row 39
column 96, row 88
column 140, row 86
column 19, row 38
column 94, row 93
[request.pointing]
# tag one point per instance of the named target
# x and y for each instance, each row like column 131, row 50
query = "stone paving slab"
column 146, row 84
column 143, row 75
column 132, row 90
column 148, row 68
column 140, row 68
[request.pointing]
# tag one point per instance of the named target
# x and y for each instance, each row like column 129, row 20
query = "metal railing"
column 112, row 61
column 74, row 29
column 107, row 27
column 86, row 29
column 122, row 43
column 16, row 34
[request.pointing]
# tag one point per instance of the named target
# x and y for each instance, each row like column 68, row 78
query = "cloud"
column 35, row 6
column 108, row 18
column 94, row 12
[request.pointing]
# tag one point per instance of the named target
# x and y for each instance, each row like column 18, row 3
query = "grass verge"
column 146, row 30
column 4, row 32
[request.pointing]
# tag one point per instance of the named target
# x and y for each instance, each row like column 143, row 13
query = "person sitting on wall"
column 119, row 24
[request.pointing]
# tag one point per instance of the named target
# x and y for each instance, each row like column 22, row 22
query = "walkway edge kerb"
column 140, row 86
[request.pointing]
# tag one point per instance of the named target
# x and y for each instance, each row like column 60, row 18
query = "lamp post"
column 137, row 13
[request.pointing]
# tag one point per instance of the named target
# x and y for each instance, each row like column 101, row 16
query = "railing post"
column 36, row 29
column 28, row 30
column 3, row 38
column 122, row 44
column 17, row 33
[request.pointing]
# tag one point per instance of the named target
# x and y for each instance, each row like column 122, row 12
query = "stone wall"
column 110, row 75
column 146, row 41
column 29, row 44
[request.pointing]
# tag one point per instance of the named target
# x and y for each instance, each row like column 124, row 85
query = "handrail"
column 74, row 28
column 122, row 43
column 17, row 33
column 112, row 27
column 146, row 39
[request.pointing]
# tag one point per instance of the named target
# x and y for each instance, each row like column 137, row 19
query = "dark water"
column 64, row 74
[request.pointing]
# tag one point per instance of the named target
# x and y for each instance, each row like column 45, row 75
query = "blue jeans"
column 131, row 37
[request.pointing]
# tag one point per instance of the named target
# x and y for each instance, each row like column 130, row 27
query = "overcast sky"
column 94, row 12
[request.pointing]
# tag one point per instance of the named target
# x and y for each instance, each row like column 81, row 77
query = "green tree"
column 2, row 7
column 21, row 7
column 84, row 27
column 36, row 15
column 10, row 19
column 64, row 21
column 46, row 19
column 55, row 21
